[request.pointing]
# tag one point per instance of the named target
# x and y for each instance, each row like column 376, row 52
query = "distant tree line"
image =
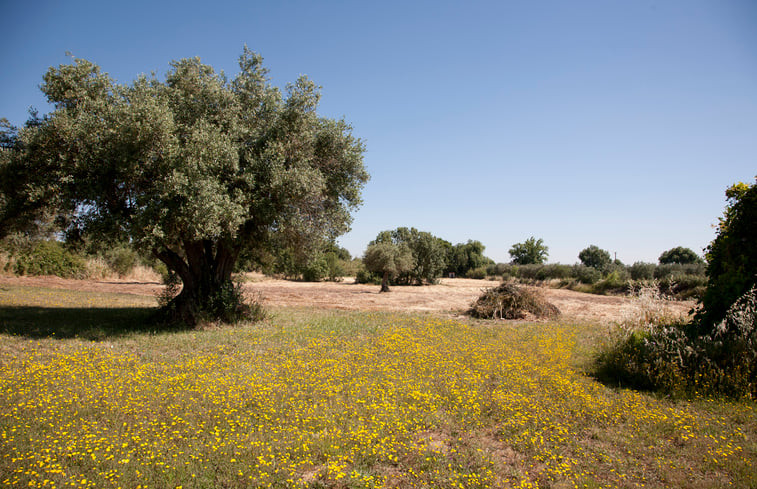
column 680, row 272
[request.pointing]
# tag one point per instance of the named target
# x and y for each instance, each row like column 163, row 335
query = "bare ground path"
column 452, row 296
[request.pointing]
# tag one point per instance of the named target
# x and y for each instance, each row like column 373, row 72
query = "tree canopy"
column 389, row 260
column 531, row 251
column 195, row 169
column 679, row 255
column 595, row 257
column 428, row 254
column 464, row 257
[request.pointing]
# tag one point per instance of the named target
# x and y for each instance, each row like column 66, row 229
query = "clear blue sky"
column 607, row 122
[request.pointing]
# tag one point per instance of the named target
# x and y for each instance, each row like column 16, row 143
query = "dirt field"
column 451, row 296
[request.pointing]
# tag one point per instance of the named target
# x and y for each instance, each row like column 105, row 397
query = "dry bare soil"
column 450, row 296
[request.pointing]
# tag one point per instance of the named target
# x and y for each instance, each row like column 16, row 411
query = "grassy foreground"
column 337, row 399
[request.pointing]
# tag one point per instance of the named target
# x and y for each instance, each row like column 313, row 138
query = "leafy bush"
column 428, row 255
column 553, row 271
column 509, row 301
column 586, row 275
column 672, row 357
column 463, row 257
column 229, row 305
column 642, row 271
column 684, row 286
column 526, row 273
column 500, row 269
column 663, row 271
column 477, row 273
column 49, row 258
column 615, row 281
column 122, row 259
column 334, row 266
column 363, row 276
column 315, row 270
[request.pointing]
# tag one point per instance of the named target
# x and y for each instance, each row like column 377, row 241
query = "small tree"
column 595, row 257
column 464, row 257
column 428, row 254
column 679, row 255
column 531, row 251
column 389, row 260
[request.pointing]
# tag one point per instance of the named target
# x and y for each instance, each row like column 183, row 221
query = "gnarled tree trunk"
column 385, row 283
column 204, row 272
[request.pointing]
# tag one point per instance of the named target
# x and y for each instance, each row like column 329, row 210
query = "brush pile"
column 510, row 301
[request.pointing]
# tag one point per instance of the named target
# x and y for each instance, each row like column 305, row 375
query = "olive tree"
column 428, row 254
column 195, row 169
column 389, row 260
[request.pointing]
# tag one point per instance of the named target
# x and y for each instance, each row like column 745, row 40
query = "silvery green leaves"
column 197, row 168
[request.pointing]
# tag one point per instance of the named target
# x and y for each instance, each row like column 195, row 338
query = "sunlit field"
column 338, row 399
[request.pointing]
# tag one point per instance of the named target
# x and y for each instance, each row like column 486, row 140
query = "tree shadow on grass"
column 91, row 323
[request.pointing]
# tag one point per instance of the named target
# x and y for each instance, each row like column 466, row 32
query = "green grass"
column 337, row 399
column 37, row 312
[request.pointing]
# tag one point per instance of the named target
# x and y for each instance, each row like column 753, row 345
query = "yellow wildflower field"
column 351, row 400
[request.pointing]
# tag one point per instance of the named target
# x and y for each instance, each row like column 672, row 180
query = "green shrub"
column 477, row 273
column 553, row 271
column 122, row 259
column 315, row 270
column 675, row 359
column 528, row 272
column 646, row 359
column 616, row 281
column 501, row 269
column 683, row 286
column 334, row 266
column 586, row 275
column 50, row 258
column 663, row 271
column 642, row 271
column 509, row 301
column 363, row 276
column 230, row 305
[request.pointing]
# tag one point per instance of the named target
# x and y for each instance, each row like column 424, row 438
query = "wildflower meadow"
column 351, row 400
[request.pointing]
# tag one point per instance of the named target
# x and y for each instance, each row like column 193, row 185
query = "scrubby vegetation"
column 716, row 353
column 677, row 281
column 23, row 255
column 319, row 263
column 671, row 355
